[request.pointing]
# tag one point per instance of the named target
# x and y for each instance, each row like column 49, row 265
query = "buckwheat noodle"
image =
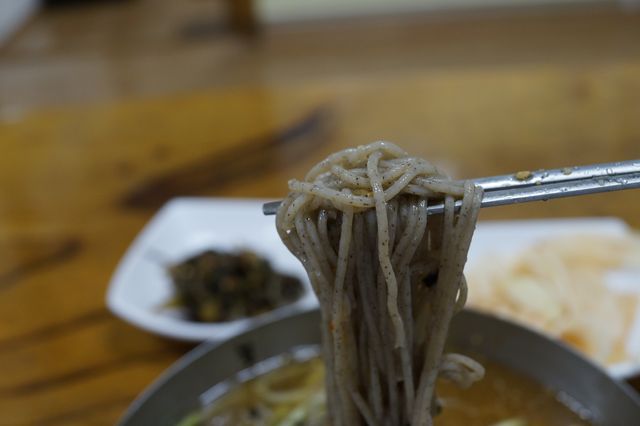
column 387, row 276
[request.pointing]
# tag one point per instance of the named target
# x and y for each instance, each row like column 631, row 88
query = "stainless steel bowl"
column 177, row 392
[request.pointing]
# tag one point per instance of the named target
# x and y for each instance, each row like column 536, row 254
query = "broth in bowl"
column 294, row 395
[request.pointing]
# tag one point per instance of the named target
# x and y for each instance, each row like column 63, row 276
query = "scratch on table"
column 248, row 160
column 47, row 254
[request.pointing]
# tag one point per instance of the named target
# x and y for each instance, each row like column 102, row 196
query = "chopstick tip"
column 270, row 208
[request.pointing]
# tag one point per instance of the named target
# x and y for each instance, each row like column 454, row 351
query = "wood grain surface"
column 77, row 183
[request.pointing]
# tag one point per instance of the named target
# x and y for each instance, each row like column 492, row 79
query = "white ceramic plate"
column 186, row 226
column 183, row 227
column 503, row 239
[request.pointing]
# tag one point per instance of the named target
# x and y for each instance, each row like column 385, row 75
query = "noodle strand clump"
column 388, row 278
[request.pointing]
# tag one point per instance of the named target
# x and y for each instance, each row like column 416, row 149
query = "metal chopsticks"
column 542, row 185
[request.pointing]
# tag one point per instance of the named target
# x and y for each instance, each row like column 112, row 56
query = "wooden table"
column 77, row 183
